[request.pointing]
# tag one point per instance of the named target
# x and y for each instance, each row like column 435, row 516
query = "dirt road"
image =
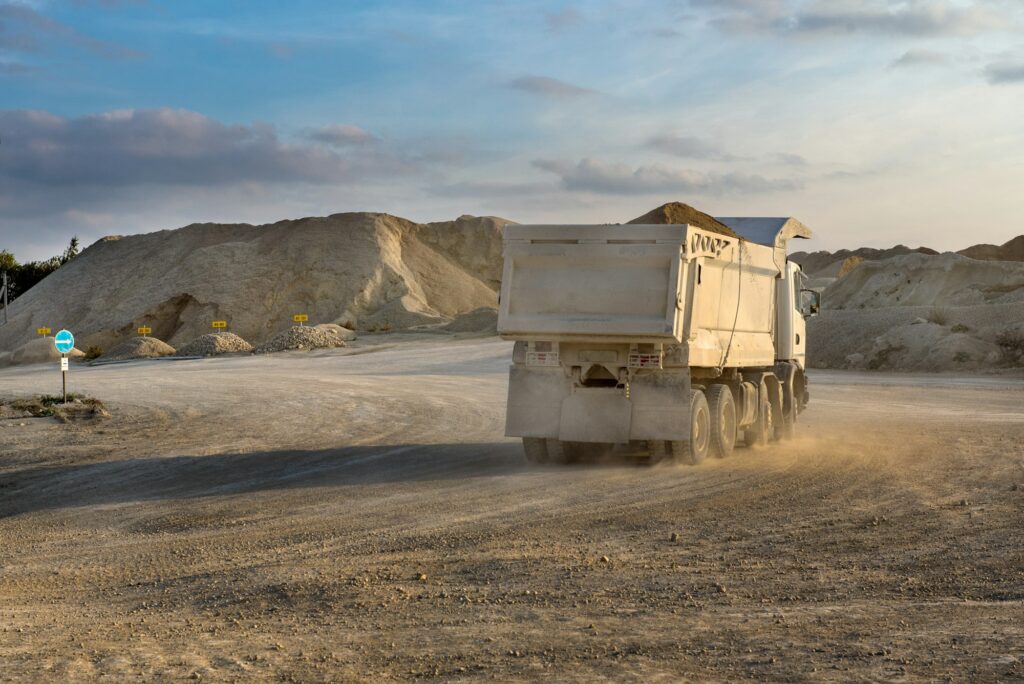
column 357, row 515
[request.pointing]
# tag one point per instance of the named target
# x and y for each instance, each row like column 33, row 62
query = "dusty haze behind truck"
column 671, row 339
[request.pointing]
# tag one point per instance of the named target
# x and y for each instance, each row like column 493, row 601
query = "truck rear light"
column 645, row 360
column 536, row 358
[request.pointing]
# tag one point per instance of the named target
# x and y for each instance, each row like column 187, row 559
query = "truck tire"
column 536, row 450
column 563, row 452
column 696, row 450
column 787, row 426
column 723, row 420
column 762, row 430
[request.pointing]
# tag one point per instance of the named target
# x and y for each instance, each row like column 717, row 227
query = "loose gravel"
column 138, row 348
column 303, row 338
column 213, row 344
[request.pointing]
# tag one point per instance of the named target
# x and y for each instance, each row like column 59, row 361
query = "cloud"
column 45, row 155
column 23, row 29
column 548, row 87
column 914, row 18
column 1000, row 73
column 687, row 147
column 342, row 135
column 562, row 20
column 166, row 146
column 590, row 175
column 489, row 189
column 912, row 58
column 15, row 69
column 921, row 18
column 790, row 159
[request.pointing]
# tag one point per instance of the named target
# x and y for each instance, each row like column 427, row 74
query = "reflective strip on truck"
column 542, row 358
column 645, row 360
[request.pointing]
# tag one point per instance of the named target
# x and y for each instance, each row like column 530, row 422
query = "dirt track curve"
column 357, row 515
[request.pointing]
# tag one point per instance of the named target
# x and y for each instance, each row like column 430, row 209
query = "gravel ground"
column 213, row 344
column 356, row 514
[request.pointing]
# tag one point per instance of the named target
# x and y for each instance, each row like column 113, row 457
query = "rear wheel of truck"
column 536, row 449
column 563, row 452
column 785, row 421
column 696, row 450
column 723, row 420
column 758, row 434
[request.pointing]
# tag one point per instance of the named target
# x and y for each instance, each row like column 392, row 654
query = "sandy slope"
column 270, row 517
column 352, row 269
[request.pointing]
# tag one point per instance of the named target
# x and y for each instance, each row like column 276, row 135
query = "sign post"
column 220, row 326
column 300, row 319
column 64, row 342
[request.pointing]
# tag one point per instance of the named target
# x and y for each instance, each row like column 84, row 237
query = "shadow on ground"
column 183, row 477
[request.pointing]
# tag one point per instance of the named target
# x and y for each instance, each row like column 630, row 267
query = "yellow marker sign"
column 43, row 331
column 145, row 330
column 300, row 318
column 220, row 324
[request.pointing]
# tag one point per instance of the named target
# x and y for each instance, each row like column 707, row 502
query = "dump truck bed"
column 661, row 284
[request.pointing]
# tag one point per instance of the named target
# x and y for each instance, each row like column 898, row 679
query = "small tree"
column 71, row 252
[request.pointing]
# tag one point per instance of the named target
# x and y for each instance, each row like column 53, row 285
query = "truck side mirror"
column 810, row 302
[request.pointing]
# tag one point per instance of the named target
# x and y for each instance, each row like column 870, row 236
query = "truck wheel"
column 563, row 452
column 536, row 450
column 785, row 421
column 787, row 426
column 758, row 434
column 657, row 451
column 723, row 420
column 696, row 450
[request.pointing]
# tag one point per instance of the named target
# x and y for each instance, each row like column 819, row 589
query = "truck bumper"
column 542, row 402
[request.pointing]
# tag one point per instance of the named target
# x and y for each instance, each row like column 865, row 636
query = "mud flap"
column 661, row 406
column 595, row 415
column 535, row 401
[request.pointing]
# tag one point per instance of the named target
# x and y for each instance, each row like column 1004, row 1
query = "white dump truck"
column 665, row 341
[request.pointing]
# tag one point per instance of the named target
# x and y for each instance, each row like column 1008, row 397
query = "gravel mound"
column 677, row 212
column 212, row 344
column 303, row 337
column 139, row 348
column 39, row 350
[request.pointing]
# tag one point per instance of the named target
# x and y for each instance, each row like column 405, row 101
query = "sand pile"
column 677, row 212
column 303, row 338
column 138, row 348
column 39, row 350
column 827, row 264
column 921, row 312
column 483, row 320
column 922, row 280
column 1012, row 250
column 357, row 270
column 212, row 344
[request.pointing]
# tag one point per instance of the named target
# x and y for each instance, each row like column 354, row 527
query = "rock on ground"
column 212, row 344
column 304, row 338
column 139, row 348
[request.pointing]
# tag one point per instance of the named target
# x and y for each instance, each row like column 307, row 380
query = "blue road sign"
column 64, row 341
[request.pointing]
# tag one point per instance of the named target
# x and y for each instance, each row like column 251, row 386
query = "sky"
column 874, row 122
